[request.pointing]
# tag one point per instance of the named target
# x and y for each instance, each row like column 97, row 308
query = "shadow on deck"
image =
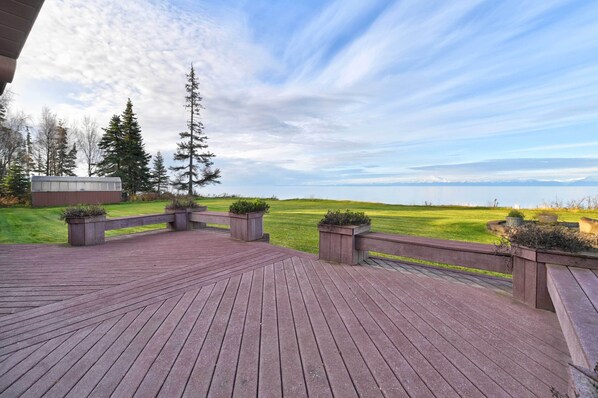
column 197, row 313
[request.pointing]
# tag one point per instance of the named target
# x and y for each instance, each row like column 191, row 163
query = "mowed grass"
column 291, row 223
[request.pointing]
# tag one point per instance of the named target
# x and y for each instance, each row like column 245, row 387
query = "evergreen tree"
column 29, row 156
column 192, row 149
column 62, row 150
column 16, row 182
column 135, row 160
column 112, row 147
column 159, row 174
column 70, row 163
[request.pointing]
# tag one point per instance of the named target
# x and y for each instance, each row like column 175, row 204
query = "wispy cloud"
column 343, row 91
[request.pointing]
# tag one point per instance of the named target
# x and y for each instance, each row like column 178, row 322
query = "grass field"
column 291, row 223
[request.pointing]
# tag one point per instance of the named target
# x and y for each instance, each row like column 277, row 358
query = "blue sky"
column 336, row 92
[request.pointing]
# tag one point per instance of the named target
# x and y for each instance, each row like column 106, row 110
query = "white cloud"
column 420, row 72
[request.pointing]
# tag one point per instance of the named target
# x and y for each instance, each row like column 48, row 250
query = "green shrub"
column 182, row 202
column 82, row 211
column 151, row 196
column 348, row 217
column 515, row 213
column 548, row 237
column 243, row 206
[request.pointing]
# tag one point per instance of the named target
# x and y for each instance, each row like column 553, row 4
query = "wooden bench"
column 574, row 293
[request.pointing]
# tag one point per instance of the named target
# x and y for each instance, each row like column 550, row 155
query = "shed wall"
column 39, row 199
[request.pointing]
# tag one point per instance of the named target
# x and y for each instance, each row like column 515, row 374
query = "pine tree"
column 112, row 147
column 192, row 149
column 16, row 182
column 28, row 156
column 70, row 162
column 62, row 166
column 159, row 174
column 135, row 160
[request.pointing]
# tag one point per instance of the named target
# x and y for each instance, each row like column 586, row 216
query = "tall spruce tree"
column 66, row 158
column 135, row 160
column 159, row 174
column 192, row 149
column 112, row 147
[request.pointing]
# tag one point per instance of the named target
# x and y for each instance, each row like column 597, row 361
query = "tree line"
column 56, row 148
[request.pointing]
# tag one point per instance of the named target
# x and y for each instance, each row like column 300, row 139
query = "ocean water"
column 507, row 196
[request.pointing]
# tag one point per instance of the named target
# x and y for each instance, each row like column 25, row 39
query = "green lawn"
column 291, row 223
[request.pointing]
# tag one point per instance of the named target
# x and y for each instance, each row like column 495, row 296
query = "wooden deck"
column 196, row 314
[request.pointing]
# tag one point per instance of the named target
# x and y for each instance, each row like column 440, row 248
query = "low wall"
column 39, row 199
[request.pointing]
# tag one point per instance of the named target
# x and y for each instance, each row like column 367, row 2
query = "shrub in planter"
column 246, row 219
column 515, row 218
column 548, row 237
column 86, row 224
column 82, row 211
column 182, row 202
column 337, row 236
column 243, row 206
column 348, row 217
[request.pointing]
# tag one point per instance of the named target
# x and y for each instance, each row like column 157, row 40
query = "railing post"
column 529, row 279
column 337, row 243
column 182, row 220
column 86, row 231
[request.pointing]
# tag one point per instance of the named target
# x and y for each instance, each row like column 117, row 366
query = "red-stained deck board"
column 293, row 379
column 199, row 314
column 393, row 373
column 155, row 376
column 358, row 366
column 175, row 382
column 246, row 380
column 469, row 340
column 402, row 354
column 401, row 328
column 199, row 381
column 339, row 378
column 314, row 372
column 269, row 383
column 222, row 383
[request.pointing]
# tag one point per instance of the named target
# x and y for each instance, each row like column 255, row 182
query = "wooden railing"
column 464, row 254
column 138, row 221
column 210, row 217
column 91, row 231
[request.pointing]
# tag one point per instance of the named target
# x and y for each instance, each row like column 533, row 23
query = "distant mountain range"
column 585, row 182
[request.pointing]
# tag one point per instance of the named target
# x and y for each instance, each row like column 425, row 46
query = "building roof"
column 16, row 20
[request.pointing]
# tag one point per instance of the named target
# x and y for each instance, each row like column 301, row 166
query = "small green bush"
column 348, row 217
column 82, row 211
column 243, row 206
column 151, row 197
column 515, row 213
column 548, row 237
column 182, row 202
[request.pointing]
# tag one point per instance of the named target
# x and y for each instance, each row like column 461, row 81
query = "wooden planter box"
column 514, row 221
column 181, row 218
column 337, row 243
column 247, row 227
column 529, row 273
column 86, row 231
